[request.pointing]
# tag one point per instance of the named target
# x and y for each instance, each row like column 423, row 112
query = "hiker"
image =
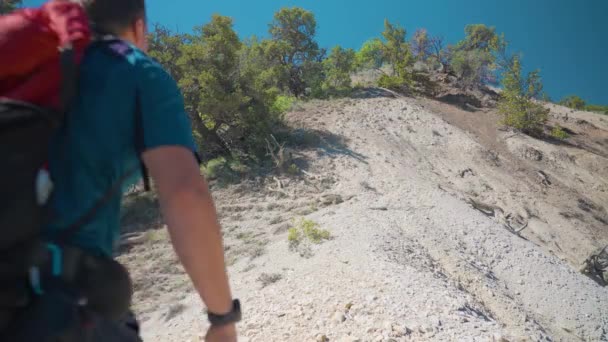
column 127, row 115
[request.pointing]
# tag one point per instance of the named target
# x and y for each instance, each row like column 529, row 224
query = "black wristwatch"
column 233, row 316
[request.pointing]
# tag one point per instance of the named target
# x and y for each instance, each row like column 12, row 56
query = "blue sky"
column 566, row 39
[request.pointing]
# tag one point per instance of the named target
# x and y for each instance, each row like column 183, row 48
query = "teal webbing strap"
column 56, row 259
column 35, row 281
column 56, row 268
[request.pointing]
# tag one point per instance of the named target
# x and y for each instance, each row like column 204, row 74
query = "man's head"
column 123, row 18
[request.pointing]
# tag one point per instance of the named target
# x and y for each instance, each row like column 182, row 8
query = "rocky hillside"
column 413, row 220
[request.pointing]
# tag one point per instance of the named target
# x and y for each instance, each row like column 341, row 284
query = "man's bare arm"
column 189, row 212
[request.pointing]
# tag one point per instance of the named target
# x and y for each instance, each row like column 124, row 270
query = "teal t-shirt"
column 96, row 145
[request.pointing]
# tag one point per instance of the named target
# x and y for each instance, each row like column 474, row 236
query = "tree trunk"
column 296, row 83
column 208, row 135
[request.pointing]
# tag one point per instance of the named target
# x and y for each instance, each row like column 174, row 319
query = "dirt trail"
column 424, row 212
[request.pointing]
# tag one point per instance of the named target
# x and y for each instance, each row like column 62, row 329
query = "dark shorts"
column 125, row 330
column 92, row 329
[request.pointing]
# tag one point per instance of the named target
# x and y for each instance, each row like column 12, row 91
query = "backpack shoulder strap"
column 140, row 144
column 69, row 77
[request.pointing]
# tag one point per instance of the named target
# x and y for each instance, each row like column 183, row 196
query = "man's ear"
column 141, row 34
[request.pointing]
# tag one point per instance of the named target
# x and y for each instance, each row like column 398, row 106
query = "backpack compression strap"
column 85, row 219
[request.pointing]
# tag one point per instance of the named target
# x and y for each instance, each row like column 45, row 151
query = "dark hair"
column 114, row 16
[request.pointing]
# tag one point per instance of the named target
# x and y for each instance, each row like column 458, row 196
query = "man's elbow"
column 188, row 192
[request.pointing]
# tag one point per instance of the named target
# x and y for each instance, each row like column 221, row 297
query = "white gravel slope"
column 408, row 261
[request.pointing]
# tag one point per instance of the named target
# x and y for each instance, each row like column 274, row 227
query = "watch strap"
column 233, row 316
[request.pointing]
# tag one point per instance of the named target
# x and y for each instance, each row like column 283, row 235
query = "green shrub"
column 516, row 100
column 225, row 170
column 230, row 87
column 597, row 109
column 559, row 133
column 215, row 167
column 523, row 114
column 391, row 82
column 338, row 67
column 474, row 59
column 294, row 237
column 282, row 104
column 370, row 56
column 236, row 165
column 307, row 230
column 472, row 67
column 293, row 169
column 293, row 49
column 573, row 102
column 313, row 233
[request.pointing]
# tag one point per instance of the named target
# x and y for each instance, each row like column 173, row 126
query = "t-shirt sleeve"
column 164, row 119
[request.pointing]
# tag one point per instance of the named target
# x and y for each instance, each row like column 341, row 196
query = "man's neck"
column 128, row 37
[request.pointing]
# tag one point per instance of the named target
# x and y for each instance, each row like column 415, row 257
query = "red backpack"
column 35, row 44
column 40, row 51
